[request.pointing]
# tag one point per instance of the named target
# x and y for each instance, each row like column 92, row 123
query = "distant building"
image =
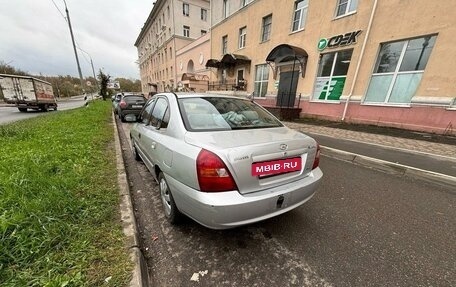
column 171, row 25
column 388, row 62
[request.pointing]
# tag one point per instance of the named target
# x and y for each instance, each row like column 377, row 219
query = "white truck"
column 27, row 93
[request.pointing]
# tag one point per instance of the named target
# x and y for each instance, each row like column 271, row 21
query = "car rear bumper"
column 222, row 210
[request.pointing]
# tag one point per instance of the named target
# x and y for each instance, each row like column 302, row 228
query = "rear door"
column 152, row 136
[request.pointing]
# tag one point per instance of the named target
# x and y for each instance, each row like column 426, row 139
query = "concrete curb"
column 389, row 167
column 139, row 274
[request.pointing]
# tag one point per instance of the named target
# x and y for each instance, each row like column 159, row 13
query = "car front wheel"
column 169, row 206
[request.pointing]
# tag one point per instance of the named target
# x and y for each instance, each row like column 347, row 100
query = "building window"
column 203, row 14
column 185, row 9
column 398, row 70
column 170, row 53
column 203, row 32
column 168, row 12
column 242, row 37
column 245, row 2
column 300, row 15
column 261, row 80
column 186, row 31
column 332, row 72
column 345, row 7
column 224, row 44
column 267, row 23
column 225, row 8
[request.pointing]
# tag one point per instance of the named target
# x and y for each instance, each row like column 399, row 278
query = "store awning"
column 213, row 63
column 194, row 77
column 227, row 61
column 233, row 60
column 287, row 53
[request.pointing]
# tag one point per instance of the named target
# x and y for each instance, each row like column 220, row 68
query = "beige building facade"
column 192, row 74
column 171, row 25
column 389, row 62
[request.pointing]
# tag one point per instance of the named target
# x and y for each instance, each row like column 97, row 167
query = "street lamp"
column 93, row 70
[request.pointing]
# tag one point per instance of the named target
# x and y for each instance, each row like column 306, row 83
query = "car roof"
column 183, row 95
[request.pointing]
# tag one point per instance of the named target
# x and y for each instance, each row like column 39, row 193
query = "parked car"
column 223, row 161
column 130, row 104
column 115, row 101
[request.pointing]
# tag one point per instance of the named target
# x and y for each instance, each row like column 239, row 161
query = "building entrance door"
column 287, row 88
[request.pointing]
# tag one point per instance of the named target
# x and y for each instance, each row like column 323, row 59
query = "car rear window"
column 134, row 99
column 217, row 113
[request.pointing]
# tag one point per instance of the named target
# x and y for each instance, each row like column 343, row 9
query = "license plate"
column 136, row 106
column 276, row 166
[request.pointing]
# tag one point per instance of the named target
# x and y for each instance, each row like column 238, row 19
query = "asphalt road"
column 11, row 114
column 362, row 228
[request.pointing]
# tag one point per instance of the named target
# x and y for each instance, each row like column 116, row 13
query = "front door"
column 240, row 82
column 287, row 88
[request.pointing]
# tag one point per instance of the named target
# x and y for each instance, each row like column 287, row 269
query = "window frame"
column 242, row 37
column 261, row 80
column 203, row 15
column 347, row 11
column 225, row 9
column 396, row 73
column 330, row 77
column 224, row 44
column 263, row 28
column 186, row 29
column 245, row 3
column 186, row 9
column 155, row 121
column 303, row 14
column 145, row 114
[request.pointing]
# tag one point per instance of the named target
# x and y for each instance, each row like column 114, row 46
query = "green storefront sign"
column 329, row 88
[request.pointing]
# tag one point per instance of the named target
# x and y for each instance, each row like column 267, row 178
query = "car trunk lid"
column 260, row 158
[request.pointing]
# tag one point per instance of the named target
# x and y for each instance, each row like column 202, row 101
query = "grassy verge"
column 59, row 221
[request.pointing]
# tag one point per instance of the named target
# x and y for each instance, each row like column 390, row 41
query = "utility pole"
column 74, row 47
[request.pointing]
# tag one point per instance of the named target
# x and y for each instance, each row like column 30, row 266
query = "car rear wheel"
column 121, row 117
column 169, row 206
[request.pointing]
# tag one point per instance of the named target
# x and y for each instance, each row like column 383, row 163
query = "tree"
column 7, row 69
column 128, row 85
column 104, row 80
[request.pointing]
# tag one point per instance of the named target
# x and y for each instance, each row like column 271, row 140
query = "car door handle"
column 153, row 145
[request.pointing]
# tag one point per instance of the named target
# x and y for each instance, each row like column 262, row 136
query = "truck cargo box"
column 27, row 92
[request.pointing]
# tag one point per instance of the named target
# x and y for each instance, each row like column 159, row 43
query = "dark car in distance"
column 130, row 104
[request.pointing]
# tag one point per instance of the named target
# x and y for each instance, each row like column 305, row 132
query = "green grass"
column 59, row 218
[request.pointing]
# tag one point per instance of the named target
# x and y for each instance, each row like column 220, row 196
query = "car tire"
column 122, row 118
column 172, row 214
column 135, row 152
column 23, row 110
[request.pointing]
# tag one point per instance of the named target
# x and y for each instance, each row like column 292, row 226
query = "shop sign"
column 338, row 40
column 329, row 89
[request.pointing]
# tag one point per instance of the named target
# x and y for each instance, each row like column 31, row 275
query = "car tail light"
column 213, row 175
column 123, row 104
column 317, row 158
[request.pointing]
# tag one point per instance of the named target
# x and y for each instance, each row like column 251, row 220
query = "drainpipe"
column 369, row 26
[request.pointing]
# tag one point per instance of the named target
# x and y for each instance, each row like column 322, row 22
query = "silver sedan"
column 223, row 161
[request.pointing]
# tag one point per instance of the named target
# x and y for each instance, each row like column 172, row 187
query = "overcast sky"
column 35, row 37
